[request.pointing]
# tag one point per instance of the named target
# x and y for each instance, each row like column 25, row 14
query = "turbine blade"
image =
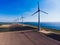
column 44, row 12
column 34, row 13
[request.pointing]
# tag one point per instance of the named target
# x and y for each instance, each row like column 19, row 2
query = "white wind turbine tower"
column 38, row 11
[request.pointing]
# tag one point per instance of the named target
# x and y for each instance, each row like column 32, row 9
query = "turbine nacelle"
column 40, row 11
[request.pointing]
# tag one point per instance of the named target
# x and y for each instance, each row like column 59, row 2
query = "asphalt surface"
column 25, row 38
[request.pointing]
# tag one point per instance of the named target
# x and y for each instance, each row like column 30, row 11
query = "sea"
column 51, row 25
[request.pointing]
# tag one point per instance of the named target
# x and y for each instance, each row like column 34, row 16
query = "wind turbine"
column 22, row 19
column 16, row 20
column 38, row 11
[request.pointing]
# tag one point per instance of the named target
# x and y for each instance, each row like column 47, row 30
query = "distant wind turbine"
column 38, row 11
column 16, row 21
column 22, row 19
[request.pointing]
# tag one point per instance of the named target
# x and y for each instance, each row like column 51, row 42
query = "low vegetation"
column 53, row 30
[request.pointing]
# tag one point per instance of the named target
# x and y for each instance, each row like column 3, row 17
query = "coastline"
column 41, row 30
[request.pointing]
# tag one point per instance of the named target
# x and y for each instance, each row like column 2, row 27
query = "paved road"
column 25, row 38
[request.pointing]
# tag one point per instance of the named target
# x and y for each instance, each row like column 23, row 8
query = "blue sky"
column 13, row 9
